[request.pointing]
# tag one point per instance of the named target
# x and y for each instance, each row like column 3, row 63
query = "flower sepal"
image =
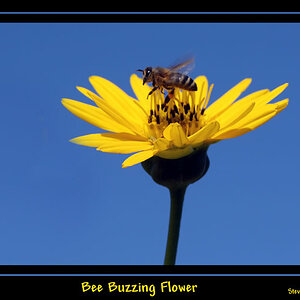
column 173, row 173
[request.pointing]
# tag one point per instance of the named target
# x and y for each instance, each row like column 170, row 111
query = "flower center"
column 179, row 106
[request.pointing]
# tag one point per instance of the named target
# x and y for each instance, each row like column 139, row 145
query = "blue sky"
column 62, row 203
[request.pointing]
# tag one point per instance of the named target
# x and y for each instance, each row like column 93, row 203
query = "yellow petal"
column 235, row 113
column 264, row 99
column 141, row 91
column 90, row 140
column 242, row 104
column 254, row 96
column 118, row 116
column 175, row 134
column 94, row 116
column 249, row 126
column 138, row 157
column 224, row 101
column 264, row 117
column 125, row 147
column 110, row 109
column 238, row 132
column 204, row 133
column 281, row 105
column 117, row 98
column 260, row 121
column 120, row 143
column 255, row 114
column 176, row 152
column 91, row 96
column 232, row 133
column 116, row 141
column 162, row 144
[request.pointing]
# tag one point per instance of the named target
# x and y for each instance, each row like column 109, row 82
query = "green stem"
column 177, row 197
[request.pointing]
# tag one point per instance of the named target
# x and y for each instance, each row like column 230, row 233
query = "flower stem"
column 177, row 197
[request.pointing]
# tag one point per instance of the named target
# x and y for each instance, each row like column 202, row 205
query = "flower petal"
column 138, row 157
column 264, row 99
column 117, row 98
column 117, row 115
column 250, row 126
column 254, row 96
column 255, row 114
column 162, row 144
column 124, row 147
column 89, row 140
column 176, row 152
column 204, row 133
column 94, row 116
column 247, row 127
column 232, row 133
column 234, row 113
column 260, row 121
column 281, row 105
column 115, row 142
column 229, row 97
column 141, row 91
column 244, row 125
column 175, row 134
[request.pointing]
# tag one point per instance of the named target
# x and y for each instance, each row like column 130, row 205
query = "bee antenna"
column 140, row 70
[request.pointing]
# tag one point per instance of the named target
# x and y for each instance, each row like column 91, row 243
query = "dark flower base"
column 174, row 173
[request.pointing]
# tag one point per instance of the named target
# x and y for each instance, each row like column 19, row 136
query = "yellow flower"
column 171, row 128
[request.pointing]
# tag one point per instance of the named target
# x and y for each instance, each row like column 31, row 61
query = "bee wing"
column 183, row 67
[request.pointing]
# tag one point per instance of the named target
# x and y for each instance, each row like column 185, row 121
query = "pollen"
column 178, row 106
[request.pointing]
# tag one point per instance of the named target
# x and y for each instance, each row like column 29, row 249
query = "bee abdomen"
column 187, row 83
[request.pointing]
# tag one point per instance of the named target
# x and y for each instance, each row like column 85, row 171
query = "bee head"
column 147, row 74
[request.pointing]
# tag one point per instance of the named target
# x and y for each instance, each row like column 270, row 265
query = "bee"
column 169, row 78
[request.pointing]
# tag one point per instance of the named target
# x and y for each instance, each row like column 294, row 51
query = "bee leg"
column 167, row 100
column 171, row 92
column 154, row 89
